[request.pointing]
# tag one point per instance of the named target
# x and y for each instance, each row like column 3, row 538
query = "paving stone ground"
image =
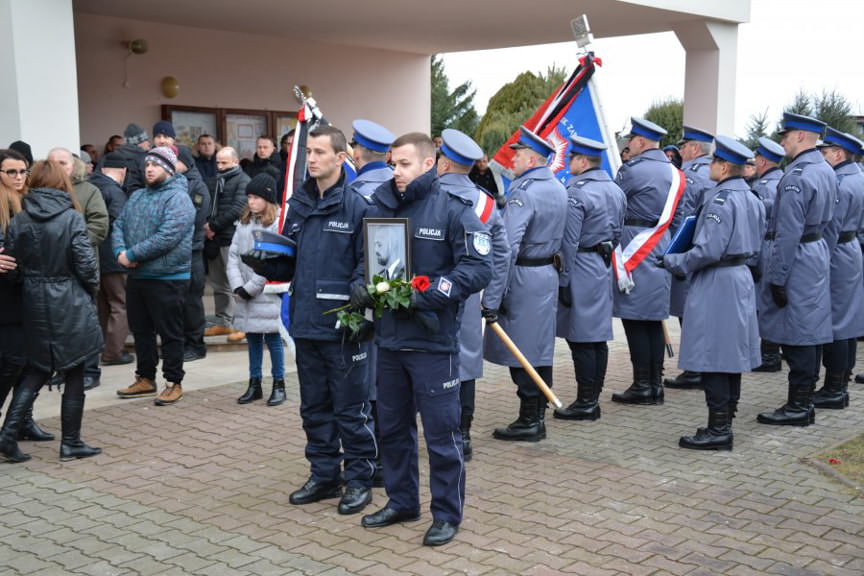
column 202, row 488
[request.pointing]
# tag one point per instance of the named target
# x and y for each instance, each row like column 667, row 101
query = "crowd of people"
column 765, row 263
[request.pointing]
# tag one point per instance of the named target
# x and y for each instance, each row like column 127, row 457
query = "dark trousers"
column 721, row 389
column 336, row 411
column 526, row 389
column 425, row 382
column 156, row 307
column 193, row 308
column 646, row 342
column 590, row 360
column 467, row 392
column 839, row 356
column 112, row 314
column 803, row 365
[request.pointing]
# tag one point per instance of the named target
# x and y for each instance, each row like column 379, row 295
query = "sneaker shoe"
column 218, row 331
column 141, row 387
column 237, row 336
column 170, row 395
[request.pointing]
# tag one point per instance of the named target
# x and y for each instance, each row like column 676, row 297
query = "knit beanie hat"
column 264, row 186
column 184, row 155
column 134, row 134
column 114, row 160
column 164, row 127
column 24, row 149
column 164, row 157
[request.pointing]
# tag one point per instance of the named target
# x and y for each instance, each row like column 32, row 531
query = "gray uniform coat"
column 847, row 292
column 804, row 205
column 645, row 181
column 698, row 183
column 534, row 221
column 766, row 189
column 595, row 214
column 471, row 326
column 720, row 332
column 370, row 177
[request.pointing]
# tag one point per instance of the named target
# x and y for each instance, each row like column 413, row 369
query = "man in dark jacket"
column 227, row 202
column 153, row 240
column 266, row 159
column 206, row 159
column 194, row 320
column 112, row 286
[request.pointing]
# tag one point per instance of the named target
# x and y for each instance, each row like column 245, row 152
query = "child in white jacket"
column 256, row 312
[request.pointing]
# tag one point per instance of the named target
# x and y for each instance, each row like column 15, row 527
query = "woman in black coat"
column 59, row 275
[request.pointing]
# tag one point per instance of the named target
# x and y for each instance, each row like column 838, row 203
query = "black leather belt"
column 847, row 236
column 736, row 261
column 640, row 222
column 534, row 262
column 595, row 248
column 811, row 237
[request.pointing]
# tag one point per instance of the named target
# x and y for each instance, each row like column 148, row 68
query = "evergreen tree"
column 757, row 128
column 669, row 114
column 831, row 107
column 451, row 109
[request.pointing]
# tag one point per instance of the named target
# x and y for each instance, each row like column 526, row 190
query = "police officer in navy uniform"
column 325, row 220
column 847, row 295
column 696, row 154
column 647, row 180
column 458, row 154
column 795, row 310
column 418, row 351
column 595, row 219
column 534, row 219
column 720, row 332
column 768, row 156
column 369, row 146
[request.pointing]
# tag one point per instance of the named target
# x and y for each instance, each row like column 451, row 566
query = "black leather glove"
column 489, row 314
column 427, row 319
column 365, row 332
column 242, row 293
column 778, row 294
column 564, row 296
column 360, row 297
column 659, row 262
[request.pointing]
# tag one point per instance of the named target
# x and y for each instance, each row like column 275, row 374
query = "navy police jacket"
column 329, row 236
column 451, row 246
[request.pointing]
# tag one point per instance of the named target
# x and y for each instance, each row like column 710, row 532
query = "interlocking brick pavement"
column 202, row 488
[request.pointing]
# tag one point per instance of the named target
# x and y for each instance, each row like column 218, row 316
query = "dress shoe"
column 354, row 500
column 190, row 355
column 124, row 358
column 314, row 491
column 439, row 533
column 386, row 517
column 218, row 331
column 859, row 378
column 686, row 380
column 91, row 382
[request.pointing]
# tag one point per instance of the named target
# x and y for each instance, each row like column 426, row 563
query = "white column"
column 709, row 85
column 39, row 98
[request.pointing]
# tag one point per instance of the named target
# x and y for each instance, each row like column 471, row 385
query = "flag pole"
column 544, row 388
column 669, row 350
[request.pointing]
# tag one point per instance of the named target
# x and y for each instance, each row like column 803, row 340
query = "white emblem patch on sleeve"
column 482, row 243
column 445, row 286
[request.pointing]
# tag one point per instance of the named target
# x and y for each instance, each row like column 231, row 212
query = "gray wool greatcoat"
column 534, row 219
column 805, row 201
column 720, row 331
column 595, row 214
column 645, row 180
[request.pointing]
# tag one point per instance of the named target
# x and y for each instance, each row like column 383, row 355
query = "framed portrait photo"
column 190, row 122
column 387, row 248
column 242, row 129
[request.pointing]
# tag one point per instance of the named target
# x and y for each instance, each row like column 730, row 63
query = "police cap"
column 770, row 150
column 731, row 150
column 586, row 146
column 646, row 129
column 841, row 140
column 800, row 122
column 691, row 133
column 528, row 139
column 372, row 136
column 459, row 147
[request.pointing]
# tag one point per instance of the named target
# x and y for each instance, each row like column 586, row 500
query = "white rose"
column 382, row 287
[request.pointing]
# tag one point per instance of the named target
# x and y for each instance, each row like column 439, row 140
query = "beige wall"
column 232, row 70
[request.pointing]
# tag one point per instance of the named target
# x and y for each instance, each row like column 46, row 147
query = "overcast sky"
column 786, row 46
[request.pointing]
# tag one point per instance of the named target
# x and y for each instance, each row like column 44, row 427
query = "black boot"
column 798, row 410
column 277, row 395
column 465, row 426
column 528, row 427
column 586, row 406
column 30, row 430
column 832, row 395
column 21, row 400
column 717, row 436
column 642, row 390
column 253, row 392
column 770, row 358
column 71, row 445
column 686, row 380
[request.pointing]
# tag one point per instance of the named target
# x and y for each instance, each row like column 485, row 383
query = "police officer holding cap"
column 418, row 353
column 458, row 154
column 534, row 219
column 795, row 310
column 720, row 333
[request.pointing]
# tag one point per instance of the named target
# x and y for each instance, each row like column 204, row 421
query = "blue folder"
column 683, row 239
